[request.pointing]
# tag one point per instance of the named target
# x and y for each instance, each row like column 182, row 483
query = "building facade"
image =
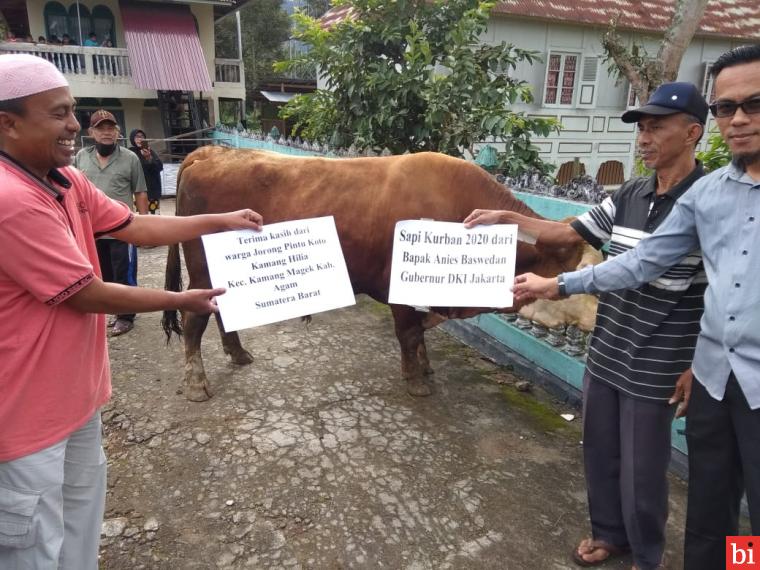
column 572, row 83
column 152, row 64
column 574, row 86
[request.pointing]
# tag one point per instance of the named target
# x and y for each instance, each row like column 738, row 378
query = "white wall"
column 596, row 134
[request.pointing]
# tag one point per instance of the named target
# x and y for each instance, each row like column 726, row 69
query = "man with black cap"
column 720, row 216
column 644, row 338
column 118, row 173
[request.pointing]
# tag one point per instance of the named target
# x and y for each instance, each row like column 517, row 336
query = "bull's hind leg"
column 197, row 388
column 232, row 346
column 410, row 334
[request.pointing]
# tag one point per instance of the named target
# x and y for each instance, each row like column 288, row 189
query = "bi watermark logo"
column 742, row 552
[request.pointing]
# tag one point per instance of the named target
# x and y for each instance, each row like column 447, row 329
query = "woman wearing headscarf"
column 151, row 165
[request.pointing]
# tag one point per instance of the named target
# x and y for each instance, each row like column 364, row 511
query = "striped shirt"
column 644, row 338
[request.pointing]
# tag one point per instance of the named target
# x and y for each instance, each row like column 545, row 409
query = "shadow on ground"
column 315, row 456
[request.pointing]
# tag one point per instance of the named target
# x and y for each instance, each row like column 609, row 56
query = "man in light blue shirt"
column 721, row 215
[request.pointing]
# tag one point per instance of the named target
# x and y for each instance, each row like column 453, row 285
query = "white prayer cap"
column 22, row 75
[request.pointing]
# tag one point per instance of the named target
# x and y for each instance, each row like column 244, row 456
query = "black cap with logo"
column 671, row 98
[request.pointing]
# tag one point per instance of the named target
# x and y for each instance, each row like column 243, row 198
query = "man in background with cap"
column 720, row 215
column 643, row 340
column 117, row 172
column 55, row 374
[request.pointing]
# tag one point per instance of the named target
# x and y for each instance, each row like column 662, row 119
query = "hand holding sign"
column 444, row 264
column 286, row 270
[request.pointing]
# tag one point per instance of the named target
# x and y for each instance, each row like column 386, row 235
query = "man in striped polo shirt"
column 643, row 340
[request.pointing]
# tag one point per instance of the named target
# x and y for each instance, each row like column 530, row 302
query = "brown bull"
column 366, row 196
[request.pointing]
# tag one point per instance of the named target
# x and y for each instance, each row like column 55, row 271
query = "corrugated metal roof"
column 723, row 18
column 335, row 15
column 278, row 96
column 164, row 49
column 739, row 19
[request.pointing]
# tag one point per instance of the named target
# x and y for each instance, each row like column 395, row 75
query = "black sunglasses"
column 723, row 109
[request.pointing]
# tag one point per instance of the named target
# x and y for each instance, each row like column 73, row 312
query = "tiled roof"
column 738, row 19
column 724, row 18
column 335, row 15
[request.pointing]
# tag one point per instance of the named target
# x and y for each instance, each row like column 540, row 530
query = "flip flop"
column 612, row 552
column 120, row 327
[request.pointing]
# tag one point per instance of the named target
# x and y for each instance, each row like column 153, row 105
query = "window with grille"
column 56, row 21
column 561, row 75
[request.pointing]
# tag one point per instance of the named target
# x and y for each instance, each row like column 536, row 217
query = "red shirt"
column 54, row 370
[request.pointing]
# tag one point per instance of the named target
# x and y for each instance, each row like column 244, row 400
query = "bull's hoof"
column 418, row 388
column 198, row 392
column 428, row 371
column 241, row 358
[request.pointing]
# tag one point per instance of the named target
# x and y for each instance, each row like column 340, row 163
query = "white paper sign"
column 286, row 270
column 443, row 264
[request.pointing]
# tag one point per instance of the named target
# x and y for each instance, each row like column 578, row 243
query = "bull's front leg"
column 231, row 345
column 197, row 388
column 410, row 334
column 423, row 357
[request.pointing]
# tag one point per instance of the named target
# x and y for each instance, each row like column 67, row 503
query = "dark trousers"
column 118, row 264
column 626, row 452
column 724, row 460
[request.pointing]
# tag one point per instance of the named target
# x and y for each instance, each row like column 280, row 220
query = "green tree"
column 264, row 26
column 4, row 28
column 717, row 153
column 413, row 75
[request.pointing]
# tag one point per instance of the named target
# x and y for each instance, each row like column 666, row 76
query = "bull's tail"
column 170, row 321
column 173, row 282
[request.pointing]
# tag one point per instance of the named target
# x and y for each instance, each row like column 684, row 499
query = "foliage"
column 641, row 169
column 264, row 27
column 229, row 112
column 253, row 120
column 645, row 71
column 717, row 154
column 4, row 28
column 648, row 71
column 412, row 75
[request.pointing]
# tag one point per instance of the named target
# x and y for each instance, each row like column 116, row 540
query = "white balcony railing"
column 228, row 70
column 111, row 63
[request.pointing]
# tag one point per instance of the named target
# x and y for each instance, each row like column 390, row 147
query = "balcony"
column 94, row 63
column 228, row 70
column 91, row 69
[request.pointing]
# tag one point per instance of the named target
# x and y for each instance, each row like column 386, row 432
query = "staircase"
column 179, row 115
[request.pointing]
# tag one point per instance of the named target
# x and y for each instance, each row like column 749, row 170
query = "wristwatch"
column 561, row 285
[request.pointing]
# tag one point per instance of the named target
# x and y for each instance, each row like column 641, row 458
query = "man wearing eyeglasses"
column 721, row 215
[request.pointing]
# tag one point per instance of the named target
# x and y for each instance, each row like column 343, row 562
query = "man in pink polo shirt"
column 54, row 370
